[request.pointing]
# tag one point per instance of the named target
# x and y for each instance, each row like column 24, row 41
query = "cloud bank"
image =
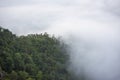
column 90, row 27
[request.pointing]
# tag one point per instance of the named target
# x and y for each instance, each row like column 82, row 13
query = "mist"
column 90, row 27
column 96, row 55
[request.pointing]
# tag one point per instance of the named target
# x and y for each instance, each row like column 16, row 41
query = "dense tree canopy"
column 32, row 57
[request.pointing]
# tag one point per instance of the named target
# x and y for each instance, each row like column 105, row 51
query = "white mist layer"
column 95, row 48
column 95, row 43
column 97, row 55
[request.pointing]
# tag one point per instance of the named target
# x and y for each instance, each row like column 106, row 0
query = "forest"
column 32, row 57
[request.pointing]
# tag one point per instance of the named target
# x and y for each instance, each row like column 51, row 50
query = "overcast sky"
column 35, row 16
column 91, row 27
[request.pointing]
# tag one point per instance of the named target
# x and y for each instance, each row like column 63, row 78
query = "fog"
column 96, row 54
column 90, row 27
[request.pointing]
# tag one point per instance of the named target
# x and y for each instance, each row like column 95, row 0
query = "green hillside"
column 32, row 57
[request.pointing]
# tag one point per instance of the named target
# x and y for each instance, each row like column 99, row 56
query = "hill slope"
column 32, row 57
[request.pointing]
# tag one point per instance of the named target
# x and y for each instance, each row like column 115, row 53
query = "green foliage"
column 30, row 79
column 39, row 75
column 22, row 75
column 32, row 57
column 13, row 75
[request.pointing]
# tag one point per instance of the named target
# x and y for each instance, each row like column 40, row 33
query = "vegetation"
column 32, row 57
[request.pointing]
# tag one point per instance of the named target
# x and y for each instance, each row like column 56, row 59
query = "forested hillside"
column 32, row 57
